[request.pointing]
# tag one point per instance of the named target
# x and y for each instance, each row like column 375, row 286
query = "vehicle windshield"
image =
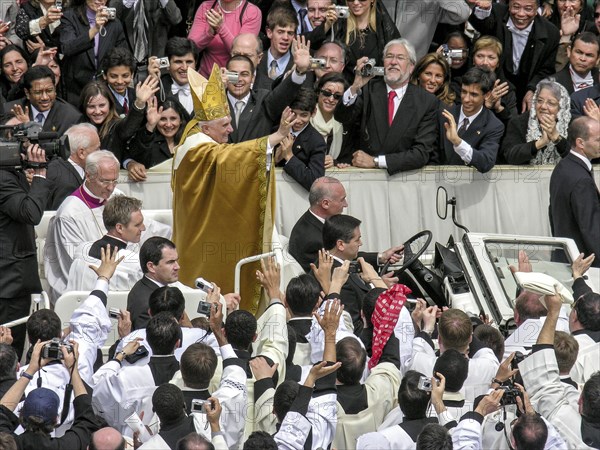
column 548, row 258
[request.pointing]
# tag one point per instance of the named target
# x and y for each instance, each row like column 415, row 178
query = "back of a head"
column 434, row 437
column 590, row 399
column 44, row 325
column 412, row 400
column 198, row 364
column 8, row 362
column 320, row 189
column 107, row 439
column 151, row 251
column 260, row 440
column 353, row 358
column 167, row 299
column 530, row 432
column 491, row 338
column 579, row 128
column 302, row 295
column 194, row 441
column 455, row 368
column 528, row 306
column 162, row 333
column 168, row 403
column 455, row 329
column 118, row 209
column 566, row 349
column 240, row 328
column 284, row 396
column 588, row 311
column 340, row 226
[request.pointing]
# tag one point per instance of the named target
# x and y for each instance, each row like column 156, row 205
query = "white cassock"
column 82, row 277
column 74, row 224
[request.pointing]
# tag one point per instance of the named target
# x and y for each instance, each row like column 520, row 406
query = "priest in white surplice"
column 124, row 221
column 79, row 219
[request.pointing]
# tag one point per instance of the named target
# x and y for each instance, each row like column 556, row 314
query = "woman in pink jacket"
column 216, row 24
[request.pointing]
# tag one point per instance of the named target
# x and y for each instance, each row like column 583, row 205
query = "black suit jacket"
column 21, row 207
column 515, row 148
column 352, row 295
column 538, row 57
column 130, row 100
column 575, row 205
column 306, row 240
column 308, row 162
column 165, row 92
column 564, row 78
column 484, row 135
column 64, row 180
column 262, row 80
column 80, row 64
column 578, row 100
column 411, row 141
column 61, row 116
column 137, row 302
column 263, row 111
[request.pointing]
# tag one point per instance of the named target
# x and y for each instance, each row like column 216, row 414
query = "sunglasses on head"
column 331, row 94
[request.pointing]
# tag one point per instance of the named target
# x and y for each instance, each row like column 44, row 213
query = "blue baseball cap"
column 43, row 403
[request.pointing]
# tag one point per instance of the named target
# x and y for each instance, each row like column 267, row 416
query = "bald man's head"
column 327, row 197
column 107, row 439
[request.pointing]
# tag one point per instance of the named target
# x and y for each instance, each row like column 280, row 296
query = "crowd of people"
column 346, row 357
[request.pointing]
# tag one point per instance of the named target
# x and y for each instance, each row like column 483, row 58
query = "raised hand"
column 301, row 52
column 145, row 90
column 108, row 264
column 323, row 272
column 270, row 276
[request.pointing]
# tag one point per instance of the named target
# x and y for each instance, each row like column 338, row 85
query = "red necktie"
column 391, row 97
column 125, row 106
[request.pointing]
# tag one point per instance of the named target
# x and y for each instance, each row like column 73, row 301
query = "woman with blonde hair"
column 432, row 73
column 366, row 31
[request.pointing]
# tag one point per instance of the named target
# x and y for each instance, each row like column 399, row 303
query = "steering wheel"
column 413, row 249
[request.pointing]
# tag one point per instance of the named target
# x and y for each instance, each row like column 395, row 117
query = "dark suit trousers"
column 12, row 309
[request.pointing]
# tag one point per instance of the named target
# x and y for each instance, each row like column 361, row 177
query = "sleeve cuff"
column 465, row 151
column 382, row 162
column 539, row 347
column 34, row 27
column 298, row 79
column 472, row 415
column 426, row 337
column 262, row 386
column 227, row 352
column 348, row 98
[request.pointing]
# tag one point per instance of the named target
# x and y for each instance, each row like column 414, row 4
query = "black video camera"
column 12, row 147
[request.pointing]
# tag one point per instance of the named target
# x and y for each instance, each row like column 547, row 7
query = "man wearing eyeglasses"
column 79, row 219
column 402, row 136
column 41, row 104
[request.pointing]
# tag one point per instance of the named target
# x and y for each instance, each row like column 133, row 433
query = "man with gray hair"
column 79, row 219
column 67, row 176
column 402, row 136
column 124, row 223
column 250, row 46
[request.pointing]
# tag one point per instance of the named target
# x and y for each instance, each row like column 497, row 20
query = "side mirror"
column 442, row 202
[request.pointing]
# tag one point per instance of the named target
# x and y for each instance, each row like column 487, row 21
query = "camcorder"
column 52, row 349
column 343, row 12
column 371, row 70
column 16, row 144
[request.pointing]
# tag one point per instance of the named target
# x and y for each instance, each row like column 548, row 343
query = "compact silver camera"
column 425, row 383
column 198, row 406
column 58, row 4
column 232, row 77
column 371, row 70
column 115, row 313
column 343, row 12
column 317, row 63
column 163, row 63
column 450, row 53
column 206, row 286
column 111, row 13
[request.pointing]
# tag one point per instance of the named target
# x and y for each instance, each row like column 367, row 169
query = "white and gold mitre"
column 210, row 98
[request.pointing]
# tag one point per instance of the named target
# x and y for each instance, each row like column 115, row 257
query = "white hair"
column 80, row 135
column 93, row 160
column 410, row 49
